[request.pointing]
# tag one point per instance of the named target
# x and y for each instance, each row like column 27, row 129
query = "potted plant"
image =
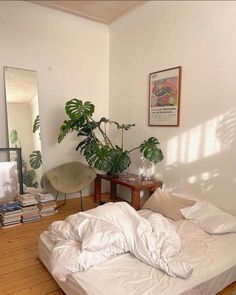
column 95, row 144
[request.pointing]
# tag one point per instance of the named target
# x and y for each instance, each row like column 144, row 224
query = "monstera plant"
column 95, row 144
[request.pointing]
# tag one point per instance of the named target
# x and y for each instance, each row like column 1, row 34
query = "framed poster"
column 164, row 97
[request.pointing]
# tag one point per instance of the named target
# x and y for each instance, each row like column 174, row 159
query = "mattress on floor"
column 213, row 258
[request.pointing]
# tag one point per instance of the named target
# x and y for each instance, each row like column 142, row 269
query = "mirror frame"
column 18, row 150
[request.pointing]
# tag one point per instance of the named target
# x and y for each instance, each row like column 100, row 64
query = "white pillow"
column 212, row 219
column 186, row 196
column 167, row 204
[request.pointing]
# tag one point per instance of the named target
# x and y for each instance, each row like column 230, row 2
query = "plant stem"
column 122, row 138
column 107, row 140
column 134, row 149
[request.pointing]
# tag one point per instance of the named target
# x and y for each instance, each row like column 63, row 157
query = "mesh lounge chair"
column 72, row 177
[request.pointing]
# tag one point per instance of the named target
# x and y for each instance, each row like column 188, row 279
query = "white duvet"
column 90, row 238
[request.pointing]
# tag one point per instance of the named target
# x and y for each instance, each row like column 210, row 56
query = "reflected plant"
column 14, row 138
column 35, row 158
column 29, row 176
column 36, row 124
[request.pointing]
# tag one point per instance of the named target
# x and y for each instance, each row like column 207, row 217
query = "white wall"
column 71, row 57
column 200, row 37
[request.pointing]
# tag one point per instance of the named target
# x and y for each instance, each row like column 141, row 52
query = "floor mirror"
column 23, row 120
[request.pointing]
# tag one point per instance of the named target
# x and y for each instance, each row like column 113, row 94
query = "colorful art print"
column 164, row 97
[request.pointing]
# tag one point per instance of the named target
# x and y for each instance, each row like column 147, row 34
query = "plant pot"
column 112, row 174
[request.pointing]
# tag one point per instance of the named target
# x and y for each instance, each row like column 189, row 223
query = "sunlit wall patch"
column 205, row 175
column 199, row 142
column 192, row 179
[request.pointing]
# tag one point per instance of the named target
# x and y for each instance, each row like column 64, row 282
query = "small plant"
column 95, row 144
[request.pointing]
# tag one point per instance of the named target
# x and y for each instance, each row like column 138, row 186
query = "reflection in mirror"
column 11, row 180
column 23, row 123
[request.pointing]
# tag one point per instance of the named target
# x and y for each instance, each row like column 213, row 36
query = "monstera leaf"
column 120, row 160
column 35, row 160
column 70, row 125
column 150, row 150
column 75, row 108
column 64, row 129
column 36, row 124
column 98, row 156
column 87, row 128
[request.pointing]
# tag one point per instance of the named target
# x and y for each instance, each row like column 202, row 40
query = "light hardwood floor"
column 21, row 273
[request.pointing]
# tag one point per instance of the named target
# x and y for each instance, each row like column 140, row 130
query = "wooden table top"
column 131, row 180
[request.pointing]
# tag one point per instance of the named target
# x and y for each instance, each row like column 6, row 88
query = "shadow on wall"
column 202, row 160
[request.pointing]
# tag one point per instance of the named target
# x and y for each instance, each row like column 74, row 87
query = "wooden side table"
column 132, row 181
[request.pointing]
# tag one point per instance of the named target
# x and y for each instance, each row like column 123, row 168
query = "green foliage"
column 35, row 159
column 76, row 109
column 98, row 156
column 78, row 113
column 123, row 126
column 36, row 124
column 151, row 151
column 13, row 137
column 120, row 160
column 102, row 154
column 29, row 177
column 65, row 128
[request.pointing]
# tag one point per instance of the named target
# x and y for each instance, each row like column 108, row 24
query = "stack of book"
column 26, row 200
column 47, row 204
column 10, row 214
column 30, row 211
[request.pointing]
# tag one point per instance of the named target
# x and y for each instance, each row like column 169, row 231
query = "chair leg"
column 64, row 200
column 57, row 195
column 62, row 203
column 81, row 201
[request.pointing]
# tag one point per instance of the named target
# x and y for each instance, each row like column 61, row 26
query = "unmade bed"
column 213, row 258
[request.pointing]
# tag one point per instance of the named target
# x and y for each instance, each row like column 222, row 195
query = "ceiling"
column 102, row 11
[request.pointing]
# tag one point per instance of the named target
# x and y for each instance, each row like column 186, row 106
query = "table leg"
column 97, row 189
column 135, row 199
column 113, row 191
column 151, row 190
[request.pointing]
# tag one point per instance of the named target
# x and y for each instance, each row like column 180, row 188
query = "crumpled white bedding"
column 89, row 238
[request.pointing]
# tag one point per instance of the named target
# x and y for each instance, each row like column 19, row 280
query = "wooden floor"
column 21, row 273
